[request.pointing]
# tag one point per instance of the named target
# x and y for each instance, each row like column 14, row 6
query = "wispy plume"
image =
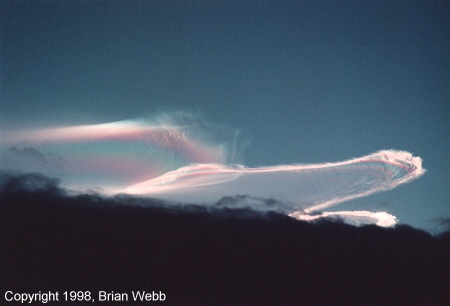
column 299, row 189
column 185, row 159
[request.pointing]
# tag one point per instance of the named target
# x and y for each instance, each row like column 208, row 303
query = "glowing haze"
column 186, row 162
column 113, row 155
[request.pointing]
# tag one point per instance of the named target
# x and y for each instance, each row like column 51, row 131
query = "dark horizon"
column 203, row 256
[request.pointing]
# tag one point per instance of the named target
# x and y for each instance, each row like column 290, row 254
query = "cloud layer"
column 199, row 255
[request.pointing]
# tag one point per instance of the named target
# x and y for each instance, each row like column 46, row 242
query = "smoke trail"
column 170, row 137
column 301, row 187
column 352, row 217
column 182, row 159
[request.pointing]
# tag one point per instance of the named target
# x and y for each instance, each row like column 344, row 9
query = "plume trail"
column 170, row 137
column 178, row 160
column 305, row 188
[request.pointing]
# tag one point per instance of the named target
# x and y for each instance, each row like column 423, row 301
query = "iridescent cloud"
column 113, row 154
column 173, row 160
column 301, row 189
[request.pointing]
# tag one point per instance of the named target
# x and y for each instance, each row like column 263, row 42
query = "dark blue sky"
column 303, row 81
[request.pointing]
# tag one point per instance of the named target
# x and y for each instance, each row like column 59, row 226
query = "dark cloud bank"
column 54, row 241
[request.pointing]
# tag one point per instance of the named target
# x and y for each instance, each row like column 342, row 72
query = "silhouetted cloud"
column 29, row 152
column 208, row 255
column 443, row 223
column 29, row 182
column 30, row 158
column 246, row 201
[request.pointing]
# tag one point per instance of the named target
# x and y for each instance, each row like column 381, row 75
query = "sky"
column 301, row 82
column 146, row 144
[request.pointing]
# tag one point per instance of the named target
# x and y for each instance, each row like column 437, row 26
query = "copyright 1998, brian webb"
column 84, row 296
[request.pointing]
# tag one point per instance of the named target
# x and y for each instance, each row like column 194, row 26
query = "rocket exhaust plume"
column 175, row 161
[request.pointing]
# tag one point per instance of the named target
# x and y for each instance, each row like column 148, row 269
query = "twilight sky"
column 302, row 82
